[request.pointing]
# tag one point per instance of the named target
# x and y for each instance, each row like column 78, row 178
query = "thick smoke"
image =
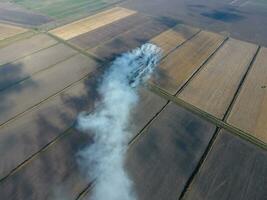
column 104, row 159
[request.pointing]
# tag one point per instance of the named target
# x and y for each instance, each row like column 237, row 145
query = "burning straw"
column 104, row 159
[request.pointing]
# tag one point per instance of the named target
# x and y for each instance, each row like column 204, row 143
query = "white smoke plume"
column 104, row 158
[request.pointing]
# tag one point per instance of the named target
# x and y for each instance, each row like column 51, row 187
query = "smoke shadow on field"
column 162, row 78
column 134, row 38
column 164, row 157
column 10, row 88
column 168, row 21
column 52, row 118
column 10, row 74
column 225, row 13
column 224, row 16
column 56, row 168
column 80, row 103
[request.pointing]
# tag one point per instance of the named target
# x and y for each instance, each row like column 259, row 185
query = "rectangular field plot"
column 25, row 47
column 56, row 115
column 98, row 36
column 60, row 9
column 41, row 125
column 152, row 31
column 91, row 23
column 52, row 118
column 131, row 39
column 180, row 65
column 173, row 37
column 249, row 112
column 32, row 91
column 21, row 69
column 55, row 169
column 163, row 158
column 10, row 12
column 214, row 87
column 234, row 169
column 7, row 31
